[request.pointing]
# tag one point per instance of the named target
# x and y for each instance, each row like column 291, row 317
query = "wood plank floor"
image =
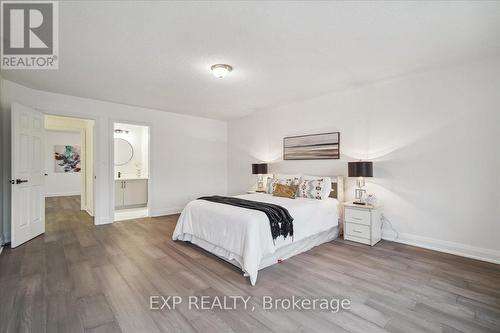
column 82, row 278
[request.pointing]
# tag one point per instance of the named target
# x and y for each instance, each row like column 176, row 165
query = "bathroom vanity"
column 131, row 192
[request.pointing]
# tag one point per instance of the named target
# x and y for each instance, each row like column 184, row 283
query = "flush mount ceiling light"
column 220, row 70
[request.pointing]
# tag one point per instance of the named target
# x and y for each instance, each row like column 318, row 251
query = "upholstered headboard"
column 337, row 188
column 338, row 193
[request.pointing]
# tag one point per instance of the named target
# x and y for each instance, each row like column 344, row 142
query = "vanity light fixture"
column 220, row 70
column 120, row 131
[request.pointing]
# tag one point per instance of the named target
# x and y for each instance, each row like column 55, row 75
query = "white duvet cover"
column 245, row 234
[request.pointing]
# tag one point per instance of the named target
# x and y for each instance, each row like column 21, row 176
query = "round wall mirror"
column 123, row 151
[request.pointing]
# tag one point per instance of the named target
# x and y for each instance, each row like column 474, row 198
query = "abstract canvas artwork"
column 67, row 158
column 312, row 147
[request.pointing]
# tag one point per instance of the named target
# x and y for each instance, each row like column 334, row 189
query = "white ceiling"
column 157, row 54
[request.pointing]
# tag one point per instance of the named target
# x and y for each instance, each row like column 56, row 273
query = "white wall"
column 5, row 162
column 4, row 169
column 60, row 183
column 189, row 153
column 434, row 138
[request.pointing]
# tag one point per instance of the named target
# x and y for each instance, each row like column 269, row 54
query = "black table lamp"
column 360, row 170
column 259, row 169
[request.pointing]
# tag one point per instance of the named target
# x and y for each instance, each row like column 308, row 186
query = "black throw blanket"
column 279, row 218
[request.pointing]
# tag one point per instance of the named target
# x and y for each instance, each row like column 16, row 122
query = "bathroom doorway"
column 131, row 171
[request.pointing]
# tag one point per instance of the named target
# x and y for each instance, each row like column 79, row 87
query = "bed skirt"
column 280, row 254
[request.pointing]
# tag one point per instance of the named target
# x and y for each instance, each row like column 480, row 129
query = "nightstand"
column 362, row 223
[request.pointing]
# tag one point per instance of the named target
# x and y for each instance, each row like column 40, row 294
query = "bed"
column 242, row 236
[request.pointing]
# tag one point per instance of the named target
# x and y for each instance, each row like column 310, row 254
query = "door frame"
column 111, row 171
column 97, row 215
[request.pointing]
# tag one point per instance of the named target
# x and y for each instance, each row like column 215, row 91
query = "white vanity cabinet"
column 131, row 193
column 118, row 193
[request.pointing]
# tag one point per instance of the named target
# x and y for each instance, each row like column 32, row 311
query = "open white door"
column 28, row 200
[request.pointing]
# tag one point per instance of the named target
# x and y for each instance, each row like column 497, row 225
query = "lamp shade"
column 259, row 168
column 360, row 169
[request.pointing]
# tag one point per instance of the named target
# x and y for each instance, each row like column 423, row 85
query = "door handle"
column 18, row 181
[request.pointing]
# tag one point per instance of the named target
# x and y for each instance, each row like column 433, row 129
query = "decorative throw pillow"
column 312, row 188
column 327, row 181
column 271, row 183
column 285, row 191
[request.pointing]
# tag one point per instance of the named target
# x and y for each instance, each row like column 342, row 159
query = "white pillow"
column 295, row 178
column 315, row 187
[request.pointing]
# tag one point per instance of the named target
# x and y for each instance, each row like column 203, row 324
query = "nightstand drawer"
column 357, row 216
column 357, row 239
column 357, row 230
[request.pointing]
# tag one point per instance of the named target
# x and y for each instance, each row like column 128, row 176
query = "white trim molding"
column 102, row 220
column 6, row 239
column 111, row 158
column 64, row 194
column 1, row 244
column 165, row 211
column 463, row 250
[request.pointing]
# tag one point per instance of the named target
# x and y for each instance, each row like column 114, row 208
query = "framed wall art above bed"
column 321, row 146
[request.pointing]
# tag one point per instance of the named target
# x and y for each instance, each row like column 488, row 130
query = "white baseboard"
column 64, row 194
column 444, row 246
column 103, row 220
column 153, row 213
column 165, row 211
column 1, row 244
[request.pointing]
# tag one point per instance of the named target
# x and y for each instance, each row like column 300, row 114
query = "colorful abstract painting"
column 67, row 158
column 312, row 147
